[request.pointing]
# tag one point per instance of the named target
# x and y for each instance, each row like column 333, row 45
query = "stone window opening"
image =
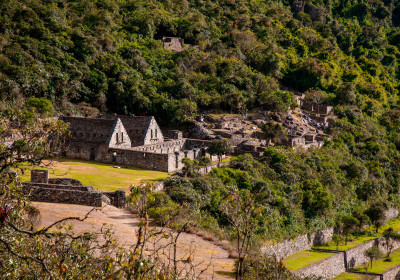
column 156, row 133
column 122, row 137
column 117, row 137
column 151, row 134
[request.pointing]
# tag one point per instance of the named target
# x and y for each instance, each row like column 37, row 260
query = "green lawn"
column 352, row 276
column 394, row 223
column 305, row 258
column 380, row 266
column 98, row 175
column 358, row 240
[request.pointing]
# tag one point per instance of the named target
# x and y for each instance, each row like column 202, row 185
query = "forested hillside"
column 239, row 55
column 109, row 54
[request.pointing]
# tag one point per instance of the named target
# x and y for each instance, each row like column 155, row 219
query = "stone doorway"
column 92, row 154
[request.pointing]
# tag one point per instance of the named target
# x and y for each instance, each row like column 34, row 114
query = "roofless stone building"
column 130, row 140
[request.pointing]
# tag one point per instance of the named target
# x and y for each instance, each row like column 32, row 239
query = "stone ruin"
column 305, row 128
column 173, row 43
column 131, row 140
column 70, row 191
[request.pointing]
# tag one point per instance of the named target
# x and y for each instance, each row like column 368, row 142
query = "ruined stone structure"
column 316, row 108
column 71, row 191
column 173, row 43
column 130, row 140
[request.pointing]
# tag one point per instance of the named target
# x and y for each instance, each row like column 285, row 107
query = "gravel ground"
column 124, row 225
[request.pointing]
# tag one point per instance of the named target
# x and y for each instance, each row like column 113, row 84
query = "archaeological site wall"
column 63, row 194
column 303, row 242
column 328, row 268
column 69, row 191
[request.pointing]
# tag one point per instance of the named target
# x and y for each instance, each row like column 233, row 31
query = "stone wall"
column 173, row 43
column 39, row 176
column 117, row 198
column 316, row 108
column 166, row 147
column 85, row 151
column 141, row 159
column 57, row 186
column 153, row 133
column 327, row 268
column 64, row 181
column 56, row 195
column 119, row 137
column 393, row 274
column 300, row 243
column 355, row 256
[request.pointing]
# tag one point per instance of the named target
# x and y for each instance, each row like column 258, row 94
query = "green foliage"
column 41, row 106
column 373, row 253
column 109, row 54
column 220, row 147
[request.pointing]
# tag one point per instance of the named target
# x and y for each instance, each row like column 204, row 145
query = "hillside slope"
column 109, row 54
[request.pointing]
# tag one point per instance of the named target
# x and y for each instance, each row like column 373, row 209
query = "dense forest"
column 109, row 54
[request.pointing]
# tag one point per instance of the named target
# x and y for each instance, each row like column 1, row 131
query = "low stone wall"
column 300, row 243
column 64, row 181
column 117, row 198
column 60, row 187
column 66, row 196
column 327, row 268
column 393, row 274
column 306, row 241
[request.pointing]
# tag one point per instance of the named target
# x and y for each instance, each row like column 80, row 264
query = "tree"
column 337, row 239
column 274, row 132
column 220, row 147
column 41, row 105
column 373, row 253
column 389, row 234
column 349, row 225
column 377, row 214
column 241, row 208
column 346, row 94
column 190, row 166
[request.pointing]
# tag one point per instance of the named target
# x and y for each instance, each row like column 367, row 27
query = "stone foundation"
column 58, row 195
column 70, row 191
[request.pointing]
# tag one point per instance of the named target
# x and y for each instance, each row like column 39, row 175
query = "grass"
column 380, row 266
column 358, row 240
column 101, row 176
column 352, row 276
column 394, row 223
column 305, row 258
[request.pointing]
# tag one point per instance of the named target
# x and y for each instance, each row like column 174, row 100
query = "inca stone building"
column 130, row 140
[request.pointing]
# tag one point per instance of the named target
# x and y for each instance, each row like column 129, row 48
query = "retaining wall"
column 300, row 243
column 327, row 268
column 393, row 274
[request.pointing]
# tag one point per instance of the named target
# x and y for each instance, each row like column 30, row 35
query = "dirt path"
column 124, row 225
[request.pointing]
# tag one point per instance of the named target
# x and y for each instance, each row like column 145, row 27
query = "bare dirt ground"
column 124, row 225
